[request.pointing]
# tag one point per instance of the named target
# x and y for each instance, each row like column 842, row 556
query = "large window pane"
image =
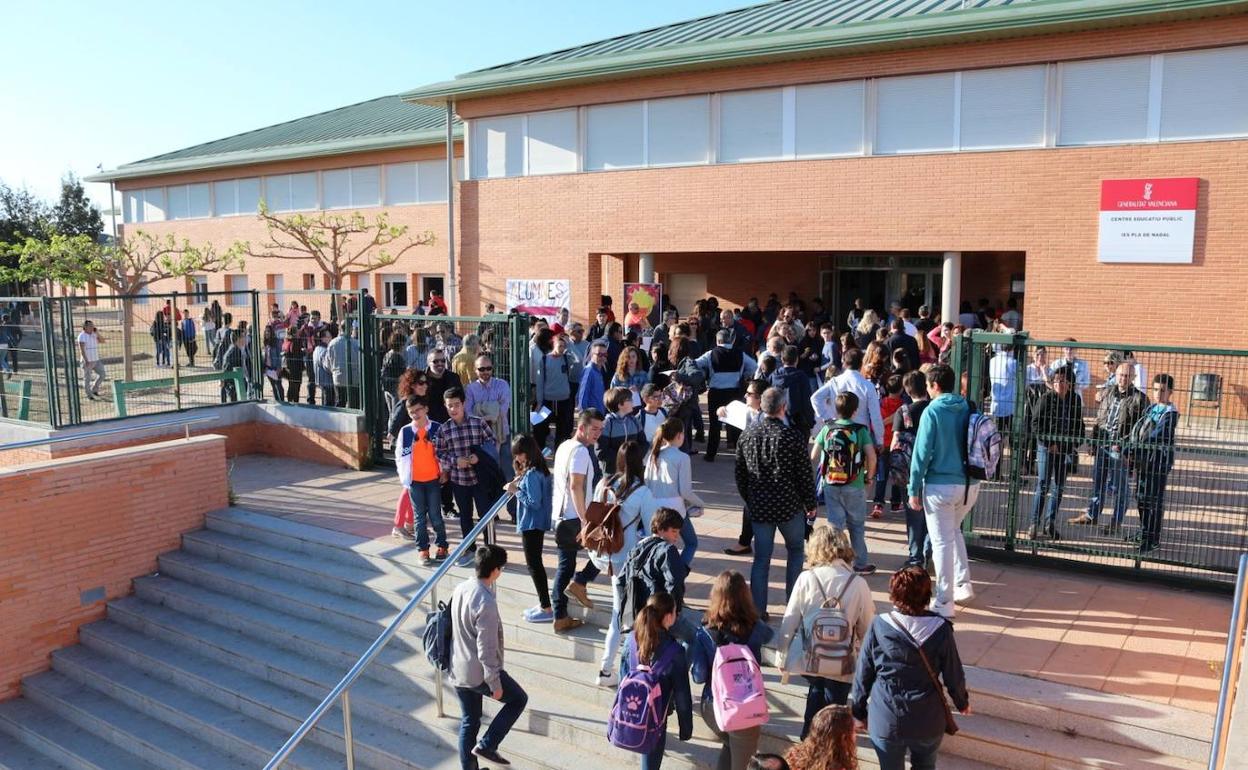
column 337, row 184
column 134, row 206
column 179, row 204
column 400, row 184
column 154, row 204
column 366, row 186
column 303, row 191
column 277, row 192
column 498, row 147
column 224, row 201
column 914, row 114
column 248, row 196
column 679, row 130
column 552, row 142
column 829, row 119
column 1104, row 101
column 1205, row 94
column 431, row 176
column 199, row 203
column 750, row 125
column 615, row 137
column 1003, row 107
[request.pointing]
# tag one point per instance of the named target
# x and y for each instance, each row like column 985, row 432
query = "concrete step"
column 19, row 756
column 64, row 743
column 127, row 728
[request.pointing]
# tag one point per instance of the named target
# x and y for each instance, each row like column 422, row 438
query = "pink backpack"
column 737, row 687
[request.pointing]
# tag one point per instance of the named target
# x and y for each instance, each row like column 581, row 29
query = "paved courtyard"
column 1116, row 636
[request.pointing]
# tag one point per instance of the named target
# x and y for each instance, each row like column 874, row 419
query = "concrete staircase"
column 215, row 660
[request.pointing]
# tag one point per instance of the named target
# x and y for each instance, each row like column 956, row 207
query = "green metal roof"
column 790, row 29
column 383, row 123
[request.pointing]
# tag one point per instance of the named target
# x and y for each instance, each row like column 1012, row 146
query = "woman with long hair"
column 901, row 704
column 830, row 744
column 272, row 351
column 629, row 372
column 829, row 574
column 651, row 644
column 533, row 487
column 627, row 488
column 876, row 365
column 681, row 400
column 669, row 476
column 731, row 618
column 393, row 364
column 864, row 332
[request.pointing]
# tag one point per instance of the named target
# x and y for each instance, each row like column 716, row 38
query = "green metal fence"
column 1123, row 492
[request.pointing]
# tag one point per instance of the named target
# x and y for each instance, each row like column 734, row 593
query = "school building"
column 1085, row 157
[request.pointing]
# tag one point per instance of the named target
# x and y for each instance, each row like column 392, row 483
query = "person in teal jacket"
column 940, row 487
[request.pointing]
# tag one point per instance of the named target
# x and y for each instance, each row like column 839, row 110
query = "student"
column 669, row 476
column 93, row 373
column 577, row 472
column 1152, row 441
column 754, row 415
column 845, row 455
column 830, row 745
column 905, row 428
column 271, row 351
column 730, row 619
column 420, row 475
column 652, row 414
column 651, row 644
column 321, row 377
column 797, row 391
column 830, row 361
column 235, row 357
column 894, row 696
column 889, row 404
column 629, row 371
column 619, row 426
column 1057, row 424
column 654, row 566
column 626, row 488
column 477, row 662
column 533, row 487
column 459, row 444
column 828, row 575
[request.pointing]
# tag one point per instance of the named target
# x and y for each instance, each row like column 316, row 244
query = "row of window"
column 365, row 186
column 394, row 293
column 1173, row 96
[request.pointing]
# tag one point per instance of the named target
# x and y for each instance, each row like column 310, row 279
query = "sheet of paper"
column 646, row 342
column 539, row 417
column 636, row 399
column 737, row 414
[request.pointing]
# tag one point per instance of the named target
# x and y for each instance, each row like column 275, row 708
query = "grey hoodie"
column 477, row 636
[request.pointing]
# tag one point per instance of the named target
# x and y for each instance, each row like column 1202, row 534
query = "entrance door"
column 868, row 285
column 918, row 288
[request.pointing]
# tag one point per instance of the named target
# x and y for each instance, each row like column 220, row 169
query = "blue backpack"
column 639, row 717
column 437, row 637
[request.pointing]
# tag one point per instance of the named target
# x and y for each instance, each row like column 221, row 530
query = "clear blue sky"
column 89, row 83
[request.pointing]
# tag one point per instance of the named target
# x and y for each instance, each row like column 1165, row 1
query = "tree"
column 74, row 213
column 339, row 244
column 126, row 268
column 22, row 216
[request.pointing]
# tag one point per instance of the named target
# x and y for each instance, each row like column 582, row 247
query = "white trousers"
column 944, row 510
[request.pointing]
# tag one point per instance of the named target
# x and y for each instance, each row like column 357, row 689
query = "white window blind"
column 679, row 131
column 615, row 137
column 1205, row 93
column 1104, row 101
column 303, row 191
column 401, row 184
column 277, row 192
column 154, row 204
column 248, row 200
column 750, row 125
column 366, row 186
column 552, row 142
column 431, row 180
column 498, row 147
column 179, row 201
column 828, row 118
column 237, row 285
column 1003, row 107
column 336, row 185
column 199, row 200
column 133, row 210
column 915, row 114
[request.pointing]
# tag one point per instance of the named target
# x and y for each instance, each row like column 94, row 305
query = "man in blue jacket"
column 594, row 379
column 940, row 487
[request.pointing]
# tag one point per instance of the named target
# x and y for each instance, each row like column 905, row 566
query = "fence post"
column 175, row 327
column 518, row 351
column 1017, row 435
column 370, row 374
column 49, row 362
column 72, row 396
column 257, row 370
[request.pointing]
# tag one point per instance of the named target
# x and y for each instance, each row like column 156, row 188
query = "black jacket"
column 773, row 473
column 796, row 385
column 438, row 386
column 1058, row 420
column 903, row 341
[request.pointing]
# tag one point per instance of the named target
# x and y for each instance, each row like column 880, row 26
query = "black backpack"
column 690, row 374
column 637, row 585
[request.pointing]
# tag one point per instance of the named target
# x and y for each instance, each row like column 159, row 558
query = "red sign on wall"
column 1148, row 220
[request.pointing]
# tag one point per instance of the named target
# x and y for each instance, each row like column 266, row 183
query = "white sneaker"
column 607, row 679
column 944, row 610
column 402, row 534
column 964, row 593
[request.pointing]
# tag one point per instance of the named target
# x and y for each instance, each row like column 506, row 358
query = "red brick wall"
column 735, row 277
column 95, row 521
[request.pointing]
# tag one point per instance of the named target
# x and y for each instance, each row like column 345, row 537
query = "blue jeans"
column 514, row 700
column 892, row 753
column 464, row 499
column 794, row 533
column 847, row 510
column 427, row 507
column 881, row 481
column 690, row 539
column 162, row 352
column 565, row 572
column 1050, row 471
column 917, row 541
column 654, row 760
column 1112, row 471
column 821, row 693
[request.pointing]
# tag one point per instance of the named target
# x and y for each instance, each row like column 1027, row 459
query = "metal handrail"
column 107, row 432
column 1230, row 668
column 341, row 690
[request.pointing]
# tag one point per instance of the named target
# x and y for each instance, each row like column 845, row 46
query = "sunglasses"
column 485, row 368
